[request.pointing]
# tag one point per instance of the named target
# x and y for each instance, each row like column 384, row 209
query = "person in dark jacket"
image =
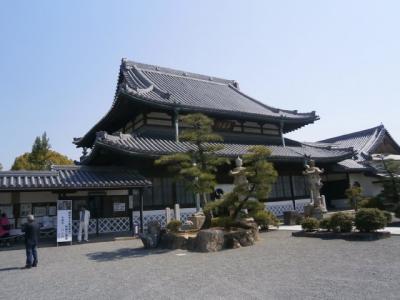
column 31, row 230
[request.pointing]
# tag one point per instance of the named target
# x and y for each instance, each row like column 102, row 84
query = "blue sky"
column 59, row 60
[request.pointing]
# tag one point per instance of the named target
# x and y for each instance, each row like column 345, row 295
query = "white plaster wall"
column 369, row 188
column 37, row 197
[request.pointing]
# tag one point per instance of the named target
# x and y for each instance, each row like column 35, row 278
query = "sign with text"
column 64, row 221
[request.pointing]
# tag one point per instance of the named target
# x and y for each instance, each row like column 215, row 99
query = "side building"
column 365, row 168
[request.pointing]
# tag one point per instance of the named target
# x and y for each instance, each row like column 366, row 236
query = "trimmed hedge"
column 370, row 219
column 325, row 224
column 310, row 224
column 341, row 222
column 265, row 218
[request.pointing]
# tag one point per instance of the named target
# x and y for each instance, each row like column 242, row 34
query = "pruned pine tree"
column 390, row 196
column 261, row 176
column 197, row 167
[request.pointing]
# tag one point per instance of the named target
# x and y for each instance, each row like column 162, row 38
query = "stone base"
column 210, row 240
column 197, row 220
column 150, row 241
column 173, row 241
column 314, row 212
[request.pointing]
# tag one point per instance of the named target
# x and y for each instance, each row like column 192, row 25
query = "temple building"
column 365, row 169
column 116, row 175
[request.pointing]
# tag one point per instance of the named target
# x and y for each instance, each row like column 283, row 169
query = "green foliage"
column 390, row 196
column 1, row 167
column 325, row 224
column 310, row 224
column 388, row 216
column 354, row 195
column 341, row 222
column 375, row 202
column 174, row 225
column 41, row 157
column 260, row 174
column 197, row 168
column 222, row 221
column 265, row 218
column 299, row 219
column 370, row 219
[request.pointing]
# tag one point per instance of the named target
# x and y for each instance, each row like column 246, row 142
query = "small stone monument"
column 240, row 179
column 177, row 211
column 317, row 205
column 167, row 215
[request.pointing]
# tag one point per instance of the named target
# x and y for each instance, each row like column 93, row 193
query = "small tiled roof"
column 152, row 147
column 71, row 177
column 170, row 89
column 364, row 142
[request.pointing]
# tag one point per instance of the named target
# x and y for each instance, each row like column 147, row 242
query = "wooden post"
column 130, row 208
column 292, row 191
column 141, row 210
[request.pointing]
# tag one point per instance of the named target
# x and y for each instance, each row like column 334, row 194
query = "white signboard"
column 64, row 221
column 119, row 206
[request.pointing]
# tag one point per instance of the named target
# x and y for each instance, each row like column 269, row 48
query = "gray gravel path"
column 278, row 267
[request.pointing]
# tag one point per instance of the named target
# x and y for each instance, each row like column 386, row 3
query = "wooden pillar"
column 130, row 208
column 292, row 191
column 141, row 209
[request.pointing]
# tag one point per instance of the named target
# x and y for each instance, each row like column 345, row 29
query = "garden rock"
column 151, row 239
column 209, row 240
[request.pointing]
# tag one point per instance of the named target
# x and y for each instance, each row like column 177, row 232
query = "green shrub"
column 388, row 216
column 371, row 203
column 370, row 219
column 341, row 222
column 325, row 224
column 174, row 225
column 299, row 219
column 225, row 222
column 265, row 218
column 310, row 224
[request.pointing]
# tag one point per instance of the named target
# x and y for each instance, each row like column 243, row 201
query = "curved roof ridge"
column 352, row 134
column 274, row 109
column 143, row 77
column 177, row 72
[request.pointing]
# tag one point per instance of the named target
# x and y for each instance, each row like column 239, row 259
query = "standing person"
column 31, row 230
column 4, row 225
column 84, row 217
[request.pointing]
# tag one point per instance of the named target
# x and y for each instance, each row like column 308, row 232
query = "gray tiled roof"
column 173, row 87
column 142, row 146
column 169, row 89
column 364, row 142
column 71, row 177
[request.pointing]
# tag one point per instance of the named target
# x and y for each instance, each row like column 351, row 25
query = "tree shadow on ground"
column 124, row 253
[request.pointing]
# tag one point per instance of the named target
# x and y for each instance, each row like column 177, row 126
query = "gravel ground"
column 277, row 267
